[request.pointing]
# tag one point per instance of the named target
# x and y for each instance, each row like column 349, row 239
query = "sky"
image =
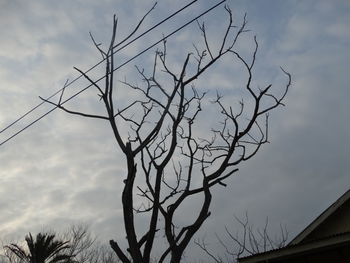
column 67, row 170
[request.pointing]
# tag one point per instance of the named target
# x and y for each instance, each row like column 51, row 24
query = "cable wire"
column 99, row 63
column 120, row 66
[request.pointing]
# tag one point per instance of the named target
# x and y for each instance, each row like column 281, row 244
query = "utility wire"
column 99, row 63
column 120, row 66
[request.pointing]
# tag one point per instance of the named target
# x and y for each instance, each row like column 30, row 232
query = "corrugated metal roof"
column 298, row 248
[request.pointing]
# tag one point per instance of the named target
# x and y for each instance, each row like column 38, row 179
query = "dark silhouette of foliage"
column 81, row 247
column 43, row 249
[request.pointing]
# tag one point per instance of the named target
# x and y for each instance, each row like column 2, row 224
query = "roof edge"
column 321, row 218
column 288, row 251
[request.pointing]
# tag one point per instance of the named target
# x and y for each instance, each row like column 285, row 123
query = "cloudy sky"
column 66, row 169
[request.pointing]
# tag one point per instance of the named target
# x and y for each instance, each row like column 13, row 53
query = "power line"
column 120, row 66
column 99, row 63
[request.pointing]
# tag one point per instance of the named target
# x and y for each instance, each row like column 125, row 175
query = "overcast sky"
column 66, row 169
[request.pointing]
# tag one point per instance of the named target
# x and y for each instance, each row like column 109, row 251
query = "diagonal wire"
column 120, row 66
column 99, row 63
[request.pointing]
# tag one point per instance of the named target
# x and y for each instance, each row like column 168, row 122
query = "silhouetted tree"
column 166, row 146
column 85, row 248
column 81, row 247
column 248, row 240
column 43, row 249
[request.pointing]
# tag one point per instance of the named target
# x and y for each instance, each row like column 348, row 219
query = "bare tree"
column 247, row 241
column 81, row 244
column 165, row 145
column 85, row 248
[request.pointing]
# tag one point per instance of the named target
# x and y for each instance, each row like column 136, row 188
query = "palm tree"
column 44, row 249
